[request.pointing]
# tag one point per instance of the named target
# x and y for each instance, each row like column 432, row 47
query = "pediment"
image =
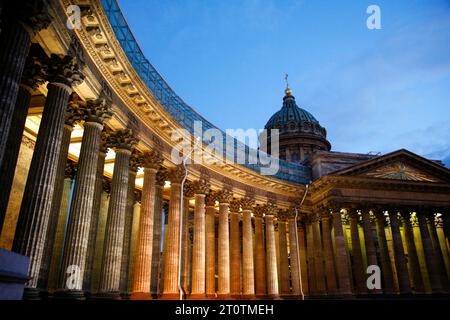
column 399, row 165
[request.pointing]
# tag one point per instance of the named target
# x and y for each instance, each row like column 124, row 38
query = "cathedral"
column 93, row 205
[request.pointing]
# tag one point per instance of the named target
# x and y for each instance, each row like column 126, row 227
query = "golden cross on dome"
column 286, row 78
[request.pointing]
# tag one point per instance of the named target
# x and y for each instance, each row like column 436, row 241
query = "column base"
column 106, row 296
column 197, row 296
column 171, row 296
column 141, row 296
column 224, row 296
column 69, row 294
column 248, row 297
column 125, row 295
column 31, row 294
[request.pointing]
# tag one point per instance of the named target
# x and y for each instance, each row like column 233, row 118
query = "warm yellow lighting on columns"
column 235, row 249
column 224, row 244
column 260, row 256
column 282, row 246
column 328, row 252
column 210, row 244
column 271, row 262
column 248, row 289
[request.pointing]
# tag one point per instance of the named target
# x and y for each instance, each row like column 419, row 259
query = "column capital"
column 247, row 203
column 258, row 211
column 71, row 170
column 106, row 185
column 270, row 209
column 161, row 176
column 211, row 198
column 96, row 110
column 201, row 186
column 225, row 196
column 32, row 14
column 152, row 159
column 65, row 70
column 135, row 160
column 35, row 69
column 176, row 174
column 188, row 189
column 73, row 114
column 235, row 205
column 284, row 215
column 122, row 139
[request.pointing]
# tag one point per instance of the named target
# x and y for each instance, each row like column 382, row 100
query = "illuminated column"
column 224, row 244
column 122, row 141
column 143, row 259
column 94, row 113
column 34, row 213
column 282, row 248
column 302, row 251
column 210, row 244
column 328, row 252
column 260, row 256
column 295, row 276
column 33, row 76
column 400, row 259
column 248, row 286
column 186, row 237
column 271, row 261
column 21, row 20
column 318, row 255
column 386, row 268
column 235, row 249
column 171, row 250
column 161, row 177
column 200, row 188
column 369, row 243
column 310, row 256
column 71, row 116
column 413, row 259
column 358, row 267
column 438, row 252
column 88, row 273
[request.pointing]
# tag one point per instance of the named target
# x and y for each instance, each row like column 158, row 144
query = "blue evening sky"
column 373, row 90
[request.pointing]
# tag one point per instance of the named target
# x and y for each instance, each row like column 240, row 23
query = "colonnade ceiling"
column 107, row 69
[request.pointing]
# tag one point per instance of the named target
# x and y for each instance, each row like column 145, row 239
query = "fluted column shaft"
column 341, row 255
column 295, row 276
column 143, row 262
column 112, row 255
column 358, row 268
column 400, row 259
column 235, row 254
column 302, row 257
column 96, row 203
column 310, row 257
column 55, row 208
column 248, row 287
column 34, row 213
column 328, row 254
column 171, row 255
column 260, row 258
column 157, row 238
column 371, row 252
column 386, row 268
column 284, row 262
column 224, row 250
column 129, row 213
column 438, row 253
column 272, row 272
column 430, row 256
column 8, row 165
column 413, row 259
column 198, row 251
column 211, row 251
column 318, row 257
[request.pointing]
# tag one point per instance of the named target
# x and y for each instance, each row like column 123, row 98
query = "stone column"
column 144, row 250
column 302, row 256
column 34, row 213
column 123, row 141
column 371, row 252
column 260, row 255
column 430, row 256
column 282, row 248
column 328, row 253
column 21, row 21
column 200, row 188
column 186, row 237
column 295, row 275
column 438, row 252
column 161, row 177
column 413, row 259
column 310, row 257
column 248, row 272
column 318, row 256
column 342, row 266
column 94, row 113
column 96, row 204
column 210, row 244
column 358, row 267
column 32, row 77
column 386, row 268
column 271, row 261
column 400, row 259
column 72, row 116
column 235, row 249
column 172, row 248
column 224, row 243
column 136, row 161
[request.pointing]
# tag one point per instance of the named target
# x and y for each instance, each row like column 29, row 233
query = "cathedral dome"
column 300, row 133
